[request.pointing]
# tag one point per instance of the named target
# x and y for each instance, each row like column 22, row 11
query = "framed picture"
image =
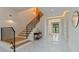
column 75, row 19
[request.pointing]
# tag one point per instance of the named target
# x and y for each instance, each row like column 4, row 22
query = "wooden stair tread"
column 11, row 40
column 23, row 37
column 23, row 33
column 22, row 43
column 18, row 42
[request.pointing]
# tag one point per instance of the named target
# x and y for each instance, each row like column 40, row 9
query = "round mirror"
column 75, row 19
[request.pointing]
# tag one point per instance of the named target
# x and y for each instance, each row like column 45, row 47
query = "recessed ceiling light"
column 10, row 21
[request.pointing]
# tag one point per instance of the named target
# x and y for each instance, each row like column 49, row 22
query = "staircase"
column 22, row 37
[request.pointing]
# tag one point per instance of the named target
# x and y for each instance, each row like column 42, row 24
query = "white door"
column 54, row 29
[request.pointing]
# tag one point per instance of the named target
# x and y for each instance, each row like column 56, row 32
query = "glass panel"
column 55, row 28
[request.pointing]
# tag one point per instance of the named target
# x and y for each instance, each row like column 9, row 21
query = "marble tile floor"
column 46, row 45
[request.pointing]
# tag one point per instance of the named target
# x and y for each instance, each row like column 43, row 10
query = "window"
column 55, row 27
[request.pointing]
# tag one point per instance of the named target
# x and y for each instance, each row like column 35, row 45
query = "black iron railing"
column 8, row 35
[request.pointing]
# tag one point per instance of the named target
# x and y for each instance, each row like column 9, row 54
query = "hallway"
column 43, row 21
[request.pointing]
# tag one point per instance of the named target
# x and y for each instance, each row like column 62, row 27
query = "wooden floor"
column 11, row 40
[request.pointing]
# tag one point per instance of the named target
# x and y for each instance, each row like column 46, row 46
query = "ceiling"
column 17, row 9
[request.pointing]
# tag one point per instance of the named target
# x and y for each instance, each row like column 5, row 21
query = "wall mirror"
column 75, row 19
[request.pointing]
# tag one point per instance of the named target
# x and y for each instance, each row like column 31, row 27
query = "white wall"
column 73, row 32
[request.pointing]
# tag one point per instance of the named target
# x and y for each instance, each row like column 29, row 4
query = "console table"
column 37, row 36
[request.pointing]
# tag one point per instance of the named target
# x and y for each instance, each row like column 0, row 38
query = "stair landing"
column 18, row 41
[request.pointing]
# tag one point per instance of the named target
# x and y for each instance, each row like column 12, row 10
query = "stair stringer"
column 31, row 35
